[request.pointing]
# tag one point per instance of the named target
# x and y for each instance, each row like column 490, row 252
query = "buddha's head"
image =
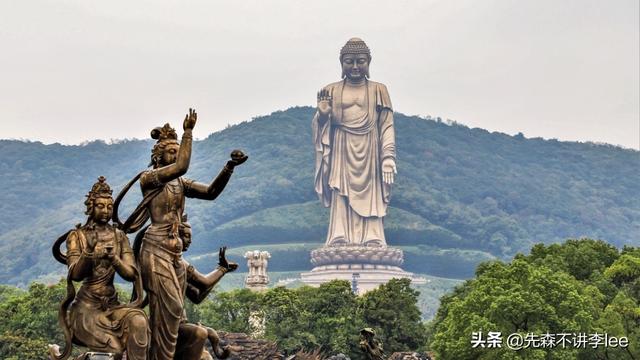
column 99, row 202
column 165, row 151
column 355, row 58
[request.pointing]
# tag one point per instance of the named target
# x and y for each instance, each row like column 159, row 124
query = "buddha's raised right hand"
column 324, row 102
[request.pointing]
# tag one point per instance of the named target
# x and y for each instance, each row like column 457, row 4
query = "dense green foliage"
column 428, row 300
column 462, row 193
column 29, row 320
column 580, row 286
column 329, row 317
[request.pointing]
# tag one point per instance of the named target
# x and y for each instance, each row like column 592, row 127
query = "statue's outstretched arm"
column 203, row 284
column 159, row 176
column 199, row 285
column 195, row 295
column 198, row 190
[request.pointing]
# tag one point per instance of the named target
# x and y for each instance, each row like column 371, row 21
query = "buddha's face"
column 355, row 66
column 102, row 210
column 169, row 155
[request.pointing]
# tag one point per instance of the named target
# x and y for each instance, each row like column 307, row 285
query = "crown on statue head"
column 100, row 189
column 164, row 133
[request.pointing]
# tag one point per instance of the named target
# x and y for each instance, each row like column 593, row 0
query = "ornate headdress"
column 99, row 190
column 355, row 46
column 165, row 135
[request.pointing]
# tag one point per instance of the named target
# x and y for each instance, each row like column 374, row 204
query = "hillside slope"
column 461, row 193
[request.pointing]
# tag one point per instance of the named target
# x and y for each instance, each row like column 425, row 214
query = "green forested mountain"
column 462, row 195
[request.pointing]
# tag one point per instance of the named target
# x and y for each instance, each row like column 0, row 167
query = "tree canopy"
column 580, row 286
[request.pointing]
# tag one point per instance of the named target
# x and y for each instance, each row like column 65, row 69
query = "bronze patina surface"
column 166, row 277
column 93, row 317
column 163, row 280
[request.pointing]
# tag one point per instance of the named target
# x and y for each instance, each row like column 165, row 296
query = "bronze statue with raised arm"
column 93, row 317
column 163, row 272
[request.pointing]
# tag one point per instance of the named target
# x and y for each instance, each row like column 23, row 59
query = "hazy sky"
column 79, row 70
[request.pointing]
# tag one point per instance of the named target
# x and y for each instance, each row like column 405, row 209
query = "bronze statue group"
column 93, row 317
column 354, row 141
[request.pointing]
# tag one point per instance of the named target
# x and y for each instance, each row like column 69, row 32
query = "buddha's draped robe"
column 348, row 176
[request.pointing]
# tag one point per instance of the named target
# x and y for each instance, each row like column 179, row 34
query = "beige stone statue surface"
column 354, row 140
column 355, row 167
column 257, row 262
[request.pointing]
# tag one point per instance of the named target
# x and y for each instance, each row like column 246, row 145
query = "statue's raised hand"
column 389, row 170
column 324, row 102
column 237, row 158
column 223, row 263
column 190, row 120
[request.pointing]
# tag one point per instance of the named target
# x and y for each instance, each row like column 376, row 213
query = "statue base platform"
column 91, row 355
column 369, row 267
column 356, row 254
column 368, row 276
column 98, row 356
column 256, row 282
column 256, row 287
